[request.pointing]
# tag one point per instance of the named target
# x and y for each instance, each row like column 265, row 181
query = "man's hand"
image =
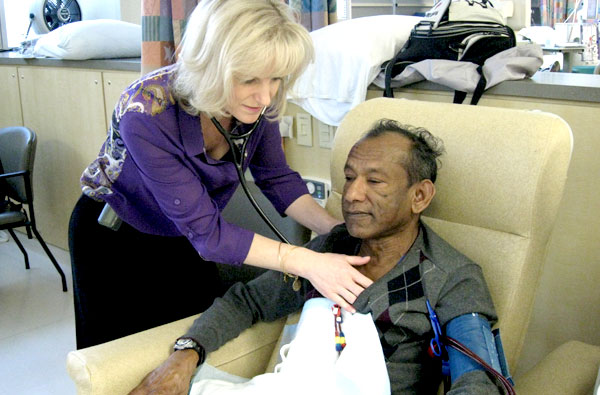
column 172, row 377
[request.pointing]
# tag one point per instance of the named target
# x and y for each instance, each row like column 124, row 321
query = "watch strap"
column 187, row 343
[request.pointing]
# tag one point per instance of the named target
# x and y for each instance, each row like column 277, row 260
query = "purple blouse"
column 154, row 173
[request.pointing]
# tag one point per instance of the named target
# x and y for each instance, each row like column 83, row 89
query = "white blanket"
column 310, row 363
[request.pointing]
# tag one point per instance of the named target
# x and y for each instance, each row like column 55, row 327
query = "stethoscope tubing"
column 238, row 160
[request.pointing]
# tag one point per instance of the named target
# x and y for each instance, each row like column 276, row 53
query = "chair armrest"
column 569, row 369
column 116, row 367
column 248, row 354
column 13, row 174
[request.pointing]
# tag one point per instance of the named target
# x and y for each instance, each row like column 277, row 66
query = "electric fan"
column 47, row 15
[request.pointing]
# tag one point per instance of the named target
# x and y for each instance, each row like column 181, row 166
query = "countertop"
column 121, row 64
column 543, row 85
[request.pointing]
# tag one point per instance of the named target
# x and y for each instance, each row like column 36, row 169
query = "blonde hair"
column 225, row 40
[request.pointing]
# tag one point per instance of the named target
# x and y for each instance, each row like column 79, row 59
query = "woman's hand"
column 333, row 275
column 172, row 377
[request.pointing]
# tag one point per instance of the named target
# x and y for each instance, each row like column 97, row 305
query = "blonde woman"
column 167, row 172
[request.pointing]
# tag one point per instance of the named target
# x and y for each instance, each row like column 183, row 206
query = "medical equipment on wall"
column 319, row 189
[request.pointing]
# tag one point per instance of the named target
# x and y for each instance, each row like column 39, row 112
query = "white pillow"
column 349, row 55
column 91, row 39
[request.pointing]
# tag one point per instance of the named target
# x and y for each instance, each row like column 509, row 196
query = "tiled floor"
column 37, row 327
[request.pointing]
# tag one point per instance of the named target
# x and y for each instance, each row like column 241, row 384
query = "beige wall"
column 310, row 161
column 567, row 304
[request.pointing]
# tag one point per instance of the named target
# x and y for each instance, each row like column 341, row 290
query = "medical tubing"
column 240, row 172
column 451, row 342
column 257, row 207
column 473, row 331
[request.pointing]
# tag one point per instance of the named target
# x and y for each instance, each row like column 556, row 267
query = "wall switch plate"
column 325, row 135
column 304, row 129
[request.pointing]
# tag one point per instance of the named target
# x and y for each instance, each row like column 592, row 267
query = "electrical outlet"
column 304, row 129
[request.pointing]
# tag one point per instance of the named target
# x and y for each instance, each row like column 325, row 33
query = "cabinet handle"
column 109, row 83
column 96, row 82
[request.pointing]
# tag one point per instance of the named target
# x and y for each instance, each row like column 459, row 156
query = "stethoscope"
column 237, row 143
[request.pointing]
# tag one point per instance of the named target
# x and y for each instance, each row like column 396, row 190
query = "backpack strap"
column 389, row 66
column 459, row 96
column 388, row 92
column 480, row 86
column 389, row 70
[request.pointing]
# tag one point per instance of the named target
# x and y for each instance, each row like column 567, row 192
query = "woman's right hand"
column 333, row 275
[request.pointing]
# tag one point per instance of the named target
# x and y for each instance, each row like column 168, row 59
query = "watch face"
column 190, row 344
column 184, row 343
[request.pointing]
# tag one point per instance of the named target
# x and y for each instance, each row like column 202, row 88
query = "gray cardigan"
column 431, row 269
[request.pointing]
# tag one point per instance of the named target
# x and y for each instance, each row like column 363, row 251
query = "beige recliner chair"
column 499, row 189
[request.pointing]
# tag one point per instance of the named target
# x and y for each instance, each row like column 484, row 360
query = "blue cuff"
column 475, row 333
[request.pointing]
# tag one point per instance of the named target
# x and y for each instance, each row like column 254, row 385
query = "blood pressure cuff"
column 473, row 331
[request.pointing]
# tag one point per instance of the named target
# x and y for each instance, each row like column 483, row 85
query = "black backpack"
column 463, row 30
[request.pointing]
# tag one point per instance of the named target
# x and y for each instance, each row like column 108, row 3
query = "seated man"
column 390, row 175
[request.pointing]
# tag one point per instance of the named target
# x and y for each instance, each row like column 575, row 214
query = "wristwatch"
column 186, row 343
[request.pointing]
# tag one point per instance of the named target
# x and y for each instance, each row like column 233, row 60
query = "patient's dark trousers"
column 126, row 281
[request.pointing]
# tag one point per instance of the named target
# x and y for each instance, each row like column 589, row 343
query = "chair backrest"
column 17, row 153
column 498, row 191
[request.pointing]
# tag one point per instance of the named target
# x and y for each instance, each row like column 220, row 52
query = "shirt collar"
column 419, row 251
column 191, row 133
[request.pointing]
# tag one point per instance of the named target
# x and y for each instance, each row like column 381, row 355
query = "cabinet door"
column 65, row 107
column 114, row 84
column 10, row 99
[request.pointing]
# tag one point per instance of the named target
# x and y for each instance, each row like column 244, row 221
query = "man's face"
column 377, row 200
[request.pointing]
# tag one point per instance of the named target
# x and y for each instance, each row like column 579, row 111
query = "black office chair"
column 17, row 153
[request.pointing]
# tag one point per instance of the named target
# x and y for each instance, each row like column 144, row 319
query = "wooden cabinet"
column 114, row 84
column 10, row 98
column 66, row 108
